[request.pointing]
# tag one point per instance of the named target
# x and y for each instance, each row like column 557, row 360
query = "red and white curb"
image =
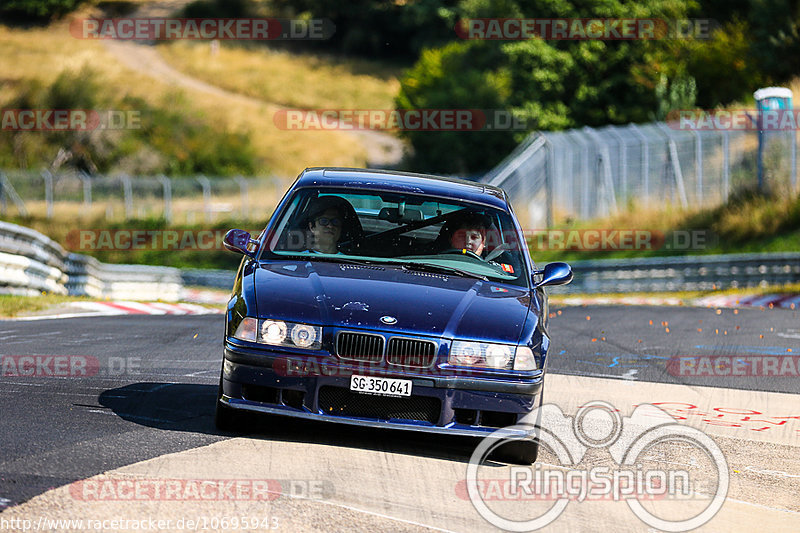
column 617, row 300
column 125, row 307
column 783, row 301
column 147, row 308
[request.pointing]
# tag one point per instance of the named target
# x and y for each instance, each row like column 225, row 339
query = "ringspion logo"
column 631, row 442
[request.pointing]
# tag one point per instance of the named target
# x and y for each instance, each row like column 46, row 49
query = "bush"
column 171, row 139
column 457, row 76
column 36, row 10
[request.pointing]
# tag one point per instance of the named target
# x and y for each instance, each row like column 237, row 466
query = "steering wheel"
column 462, row 251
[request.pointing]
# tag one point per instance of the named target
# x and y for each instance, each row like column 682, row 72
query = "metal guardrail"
column 217, row 279
column 684, row 273
column 89, row 277
column 31, row 263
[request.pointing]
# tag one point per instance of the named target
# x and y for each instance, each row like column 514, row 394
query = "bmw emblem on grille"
column 388, row 320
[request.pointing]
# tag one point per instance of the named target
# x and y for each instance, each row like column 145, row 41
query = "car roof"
column 396, row 181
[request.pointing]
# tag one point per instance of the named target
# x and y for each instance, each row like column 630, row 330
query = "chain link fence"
column 590, row 173
column 181, row 200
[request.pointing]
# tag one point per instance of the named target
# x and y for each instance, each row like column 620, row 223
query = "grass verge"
column 750, row 222
column 13, row 305
column 294, row 80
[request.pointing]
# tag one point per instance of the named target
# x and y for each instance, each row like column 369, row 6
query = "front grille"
column 411, row 352
column 359, row 346
column 338, row 401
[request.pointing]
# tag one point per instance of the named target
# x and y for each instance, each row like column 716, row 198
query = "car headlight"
column 482, row 354
column 280, row 333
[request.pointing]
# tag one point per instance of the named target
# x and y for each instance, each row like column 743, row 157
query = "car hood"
column 423, row 303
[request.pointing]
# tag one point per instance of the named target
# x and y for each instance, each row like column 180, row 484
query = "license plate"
column 380, row 386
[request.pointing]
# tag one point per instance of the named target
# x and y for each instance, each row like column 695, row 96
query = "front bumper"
column 467, row 406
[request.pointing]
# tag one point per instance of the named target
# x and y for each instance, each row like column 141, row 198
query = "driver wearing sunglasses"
column 326, row 229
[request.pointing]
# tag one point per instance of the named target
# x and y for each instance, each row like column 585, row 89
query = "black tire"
column 225, row 418
column 518, row 452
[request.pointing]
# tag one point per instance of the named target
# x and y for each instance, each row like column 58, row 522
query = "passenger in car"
column 468, row 232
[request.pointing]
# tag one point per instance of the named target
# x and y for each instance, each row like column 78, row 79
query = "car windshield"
column 408, row 230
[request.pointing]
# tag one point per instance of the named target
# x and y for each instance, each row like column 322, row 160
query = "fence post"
column 623, row 162
column 166, row 186
column 645, row 159
column 726, row 164
column 243, row 191
column 128, row 195
column 2, row 194
column 86, row 179
column 584, row 147
column 549, row 157
column 793, row 175
column 48, row 192
column 8, row 189
column 698, row 166
column 675, row 163
column 206, row 184
column 604, row 166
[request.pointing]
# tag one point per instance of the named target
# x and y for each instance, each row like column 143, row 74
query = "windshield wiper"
column 442, row 270
column 329, row 258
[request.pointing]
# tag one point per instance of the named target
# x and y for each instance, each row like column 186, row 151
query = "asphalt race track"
column 145, row 412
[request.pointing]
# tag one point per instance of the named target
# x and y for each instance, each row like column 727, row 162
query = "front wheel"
column 225, row 418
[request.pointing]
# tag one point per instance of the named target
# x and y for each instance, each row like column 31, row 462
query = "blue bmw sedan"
column 389, row 300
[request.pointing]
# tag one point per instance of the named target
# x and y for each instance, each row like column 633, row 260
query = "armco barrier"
column 89, row 277
column 31, row 263
column 684, row 273
column 217, row 279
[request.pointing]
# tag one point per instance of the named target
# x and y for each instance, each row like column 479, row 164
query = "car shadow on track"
column 190, row 407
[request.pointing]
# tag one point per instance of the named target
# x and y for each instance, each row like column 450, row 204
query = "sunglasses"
column 325, row 221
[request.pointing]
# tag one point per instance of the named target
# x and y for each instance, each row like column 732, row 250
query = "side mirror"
column 237, row 240
column 554, row 274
